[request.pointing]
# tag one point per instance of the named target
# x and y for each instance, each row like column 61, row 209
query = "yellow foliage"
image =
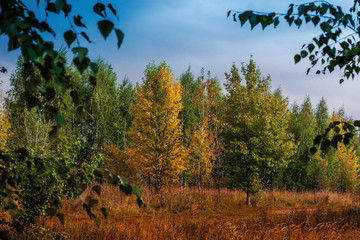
column 157, row 150
column 347, row 174
column 4, row 126
column 202, row 146
column 115, row 161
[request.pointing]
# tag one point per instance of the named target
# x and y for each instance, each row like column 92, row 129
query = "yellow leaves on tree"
column 115, row 161
column 202, row 145
column 4, row 126
column 156, row 147
column 347, row 172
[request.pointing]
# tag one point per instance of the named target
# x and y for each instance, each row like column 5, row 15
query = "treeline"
column 185, row 132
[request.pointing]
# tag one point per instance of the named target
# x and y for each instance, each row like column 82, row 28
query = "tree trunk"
column 248, row 198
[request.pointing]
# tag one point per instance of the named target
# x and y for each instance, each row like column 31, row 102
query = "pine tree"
column 157, row 149
column 255, row 127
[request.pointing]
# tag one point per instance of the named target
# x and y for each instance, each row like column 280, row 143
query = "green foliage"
column 107, row 107
column 334, row 47
column 255, row 124
column 302, row 125
column 188, row 112
column 34, row 181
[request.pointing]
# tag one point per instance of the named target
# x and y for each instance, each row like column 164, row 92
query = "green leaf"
column 357, row 123
column 243, row 17
column 313, row 150
column 81, row 65
column 341, row 81
column 298, row 22
column 303, row 54
column 104, row 212
column 75, row 96
column 137, row 191
column 70, row 37
column 127, row 189
column 86, row 37
column 51, row 8
column 99, row 8
column 311, row 47
column 80, row 111
column 94, row 67
column 276, row 22
column 31, row 53
column 61, row 217
column 337, row 129
column 344, row 45
column 60, row 120
column 67, row 9
column 78, row 22
column 59, row 4
column 97, row 189
column 254, row 20
column 297, row 58
column 50, row 94
column 317, row 140
column 92, row 81
column 140, row 202
column 123, row 180
column 315, row 20
column 228, row 13
column 31, row 102
column 349, row 126
column 120, row 37
column 81, row 52
column 112, row 9
column 105, row 27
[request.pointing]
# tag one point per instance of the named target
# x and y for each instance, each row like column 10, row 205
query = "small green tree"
column 255, row 129
column 335, row 47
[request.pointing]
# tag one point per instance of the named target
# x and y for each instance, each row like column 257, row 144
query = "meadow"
column 177, row 213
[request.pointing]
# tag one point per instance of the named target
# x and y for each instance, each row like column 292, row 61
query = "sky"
column 197, row 33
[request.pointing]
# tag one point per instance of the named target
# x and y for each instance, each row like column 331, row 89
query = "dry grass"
column 187, row 214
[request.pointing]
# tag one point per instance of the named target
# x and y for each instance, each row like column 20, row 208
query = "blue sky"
column 197, row 33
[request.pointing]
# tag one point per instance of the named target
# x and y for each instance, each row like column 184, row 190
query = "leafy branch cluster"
column 336, row 46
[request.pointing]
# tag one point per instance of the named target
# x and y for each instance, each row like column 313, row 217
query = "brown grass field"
column 187, row 214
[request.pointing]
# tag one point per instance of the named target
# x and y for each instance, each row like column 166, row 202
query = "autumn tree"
column 255, row 125
column 156, row 146
column 202, row 145
column 346, row 174
column 4, row 124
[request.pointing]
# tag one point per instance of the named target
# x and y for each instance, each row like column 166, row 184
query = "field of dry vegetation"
column 187, row 214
